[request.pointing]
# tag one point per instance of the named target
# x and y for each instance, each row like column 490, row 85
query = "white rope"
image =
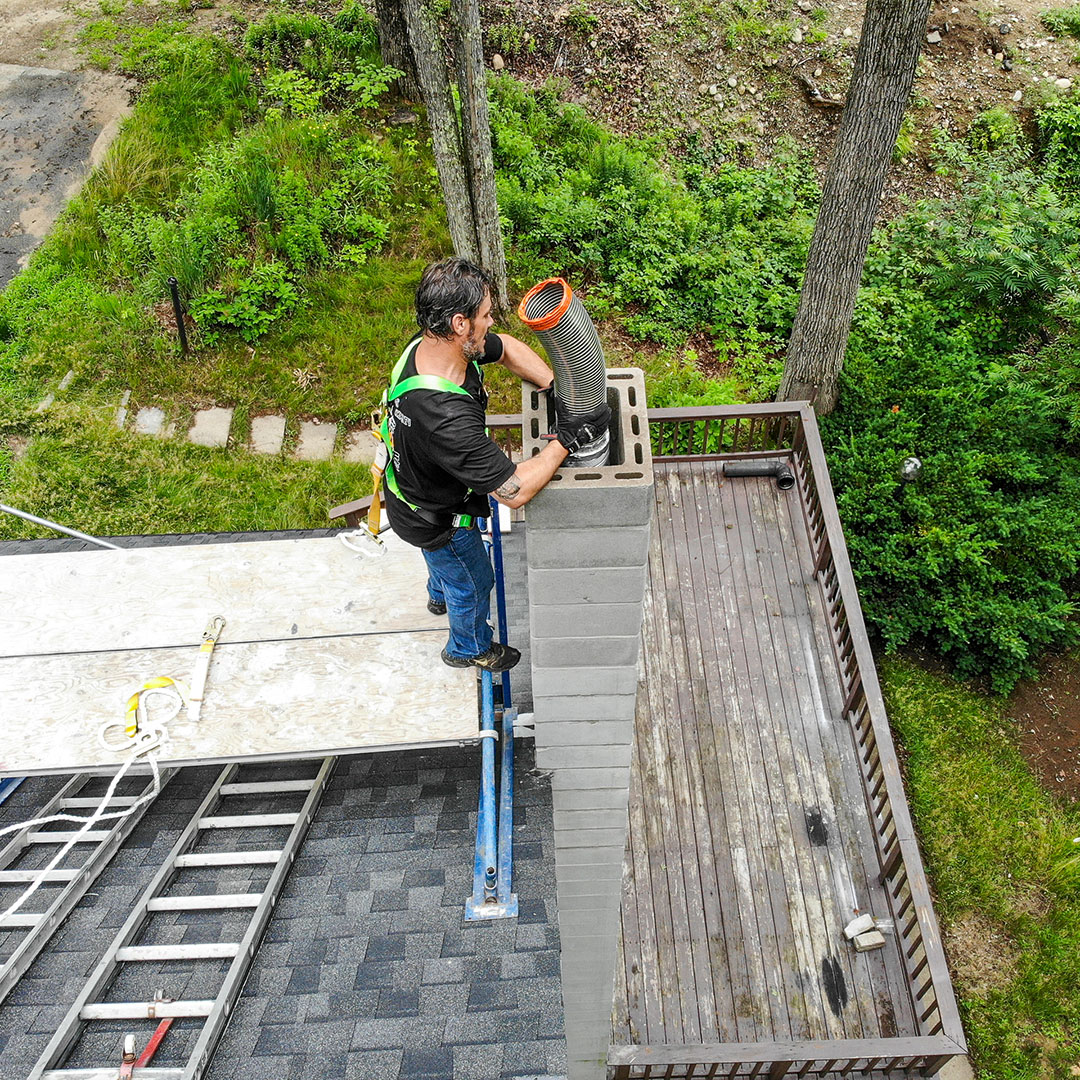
column 99, row 814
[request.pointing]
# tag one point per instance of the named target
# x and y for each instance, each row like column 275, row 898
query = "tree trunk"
column 476, row 144
column 426, row 43
column 394, row 46
column 892, row 37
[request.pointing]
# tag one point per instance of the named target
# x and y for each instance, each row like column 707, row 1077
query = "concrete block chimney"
column 587, row 535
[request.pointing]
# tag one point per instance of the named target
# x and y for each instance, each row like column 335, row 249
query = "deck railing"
column 790, row 430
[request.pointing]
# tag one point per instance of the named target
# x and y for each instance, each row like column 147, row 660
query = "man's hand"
column 577, row 431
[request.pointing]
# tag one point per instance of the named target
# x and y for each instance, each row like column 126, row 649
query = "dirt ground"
column 1047, row 714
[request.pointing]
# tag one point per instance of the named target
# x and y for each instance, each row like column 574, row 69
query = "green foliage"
column 260, row 295
column 108, row 482
column 1059, row 131
column 993, row 129
column 707, row 245
column 998, row 850
column 946, row 363
column 1064, row 22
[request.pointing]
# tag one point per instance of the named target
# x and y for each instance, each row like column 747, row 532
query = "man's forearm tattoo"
column 508, row 489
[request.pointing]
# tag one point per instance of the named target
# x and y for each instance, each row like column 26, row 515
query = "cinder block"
column 577, row 681
column 605, row 873
column 585, row 503
column 550, row 549
column 565, row 652
column 589, row 798
column 583, row 732
column 587, row 778
column 591, row 838
column 566, row 857
column 590, row 914
column 593, row 818
column 587, row 585
column 586, row 620
column 582, row 757
column 587, row 889
column 551, row 708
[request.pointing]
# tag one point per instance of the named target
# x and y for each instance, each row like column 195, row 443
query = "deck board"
column 749, row 847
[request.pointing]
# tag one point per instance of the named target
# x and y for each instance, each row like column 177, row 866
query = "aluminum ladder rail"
column 88, row 1006
column 40, row 926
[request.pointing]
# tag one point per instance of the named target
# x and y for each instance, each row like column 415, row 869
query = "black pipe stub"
column 775, row 467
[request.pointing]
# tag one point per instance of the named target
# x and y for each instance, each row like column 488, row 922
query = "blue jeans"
column 460, row 576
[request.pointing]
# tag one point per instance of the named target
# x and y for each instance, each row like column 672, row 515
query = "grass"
column 106, row 482
column 1000, row 854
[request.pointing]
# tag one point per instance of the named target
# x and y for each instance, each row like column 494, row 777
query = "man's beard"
column 473, row 349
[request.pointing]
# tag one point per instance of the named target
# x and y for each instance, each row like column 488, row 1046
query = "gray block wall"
column 588, row 546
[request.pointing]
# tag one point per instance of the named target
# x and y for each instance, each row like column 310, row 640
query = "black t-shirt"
column 444, row 461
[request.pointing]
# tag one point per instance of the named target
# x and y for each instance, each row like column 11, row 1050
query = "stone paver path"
column 316, row 441
column 267, row 434
column 150, row 421
column 360, row 447
column 211, row 427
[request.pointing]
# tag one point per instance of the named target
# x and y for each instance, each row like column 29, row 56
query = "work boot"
column 498, row 658
column 436, row 608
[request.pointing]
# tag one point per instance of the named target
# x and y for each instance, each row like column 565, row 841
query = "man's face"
column 477, row 331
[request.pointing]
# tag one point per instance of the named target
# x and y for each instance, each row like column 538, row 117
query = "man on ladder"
column 442, row 462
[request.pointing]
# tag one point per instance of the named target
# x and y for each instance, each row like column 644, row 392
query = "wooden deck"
column 766, row 803
column 749, row 846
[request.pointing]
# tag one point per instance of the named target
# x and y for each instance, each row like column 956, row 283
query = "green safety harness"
column 393, row 392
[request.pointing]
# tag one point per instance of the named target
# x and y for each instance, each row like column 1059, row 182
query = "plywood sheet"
column 160, row 596
column 266, row 699
column 323, row 652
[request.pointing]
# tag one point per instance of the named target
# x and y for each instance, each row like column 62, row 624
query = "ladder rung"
column 247, row 821
column 10, row 922
column 204, row 903
column 212, row 951
column 144, row 1010
column 92, row 836
column 83, row 803
column 111, row 1074
column 228, row 858
column 11, row 877
column 266, row 787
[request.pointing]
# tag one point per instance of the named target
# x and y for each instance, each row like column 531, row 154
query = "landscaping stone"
column 267, row 434
column 65, row 382
column 211, row 427
column 316, row 441
column 44, row 403
column 360, row 447
column 150, row 421
column 121, row 412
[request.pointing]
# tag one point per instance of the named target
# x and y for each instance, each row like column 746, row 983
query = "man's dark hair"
column 451, row 287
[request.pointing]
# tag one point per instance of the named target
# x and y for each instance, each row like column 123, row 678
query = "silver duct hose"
column 560, row 321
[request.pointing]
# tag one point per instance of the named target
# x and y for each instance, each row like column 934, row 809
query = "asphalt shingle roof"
column 368, row 968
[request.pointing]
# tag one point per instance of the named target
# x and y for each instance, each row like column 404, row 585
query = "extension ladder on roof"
column 168, row 894
column 97, row 846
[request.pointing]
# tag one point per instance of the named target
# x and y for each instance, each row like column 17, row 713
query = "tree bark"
column 394, row 46
column 892, row 37
column 476, row 145
column 427, row 50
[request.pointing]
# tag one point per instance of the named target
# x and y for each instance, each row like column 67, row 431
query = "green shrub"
column 707, row 244
column 993, row 129
column 950, row 361
column 1064, row 22
column 1059, row 132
